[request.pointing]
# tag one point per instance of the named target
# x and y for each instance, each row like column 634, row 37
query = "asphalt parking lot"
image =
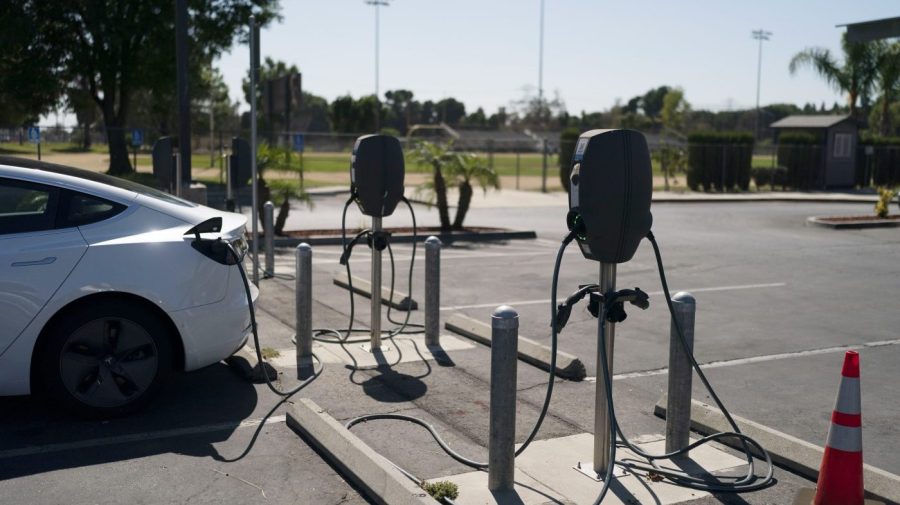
column 778, row 302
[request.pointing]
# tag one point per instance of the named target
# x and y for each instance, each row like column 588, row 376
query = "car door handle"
column 45, row 261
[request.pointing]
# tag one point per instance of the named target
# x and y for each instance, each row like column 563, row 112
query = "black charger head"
column 376, row 174
column 609, row 201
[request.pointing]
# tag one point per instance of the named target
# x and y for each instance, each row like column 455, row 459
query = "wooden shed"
column 838, row 138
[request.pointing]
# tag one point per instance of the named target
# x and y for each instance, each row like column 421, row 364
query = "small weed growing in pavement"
column 269, row 353
column 885, row 195
column 442, row 489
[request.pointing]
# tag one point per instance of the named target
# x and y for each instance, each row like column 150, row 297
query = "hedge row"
column 801, row 155
column 881, row 165
column 719, row 160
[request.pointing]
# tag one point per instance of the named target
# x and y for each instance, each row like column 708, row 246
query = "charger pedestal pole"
column 375, row 323
column 602, row 439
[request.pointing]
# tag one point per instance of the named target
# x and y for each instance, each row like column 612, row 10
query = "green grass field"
column 48, row 147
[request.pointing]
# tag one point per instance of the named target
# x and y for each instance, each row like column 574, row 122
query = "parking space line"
column 136, row 437
column 652, row 293
column 756, row 359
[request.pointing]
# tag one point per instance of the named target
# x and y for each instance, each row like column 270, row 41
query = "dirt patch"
column 859, row 219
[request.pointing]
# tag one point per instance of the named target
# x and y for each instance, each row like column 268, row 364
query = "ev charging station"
column 376, row 185
column 609, row 213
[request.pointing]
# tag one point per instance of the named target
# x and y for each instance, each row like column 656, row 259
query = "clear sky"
column 485, row 52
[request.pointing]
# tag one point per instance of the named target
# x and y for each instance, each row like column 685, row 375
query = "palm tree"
column 463, row 169
column 888, row 80
column 855, row 76
column 466, row 168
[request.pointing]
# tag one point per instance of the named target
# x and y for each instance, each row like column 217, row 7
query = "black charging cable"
column 750, row 481
column 544, row 408
column 253, row 328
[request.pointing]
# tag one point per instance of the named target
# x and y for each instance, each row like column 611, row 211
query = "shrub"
column 801, row 154
column 769, row 177
column 442, row 489
column 719, row 160
column 885, row 195
column 567, row 140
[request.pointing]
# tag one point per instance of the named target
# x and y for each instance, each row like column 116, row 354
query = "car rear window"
column 78, row 209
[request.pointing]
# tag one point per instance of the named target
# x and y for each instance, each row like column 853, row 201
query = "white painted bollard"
column 678, row 404
column 269, row 238
column 432, row 291
column 303, row 320
column 502, row 430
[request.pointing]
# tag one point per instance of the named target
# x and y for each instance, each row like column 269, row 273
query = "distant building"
column 837, row 137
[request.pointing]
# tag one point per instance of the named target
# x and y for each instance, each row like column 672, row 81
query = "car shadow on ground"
column 194, row 411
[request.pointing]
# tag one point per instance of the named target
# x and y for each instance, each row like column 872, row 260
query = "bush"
column 442, row 489
column 801, row 154
column 719, row 160
column 885, row 195
column 763, row 177
column 567, row 140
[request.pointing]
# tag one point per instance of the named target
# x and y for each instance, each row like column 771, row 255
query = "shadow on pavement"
column 195, row 411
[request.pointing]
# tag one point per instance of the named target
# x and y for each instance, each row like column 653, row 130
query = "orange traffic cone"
column 841, row 474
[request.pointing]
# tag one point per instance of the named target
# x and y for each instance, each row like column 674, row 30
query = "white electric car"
column 105, row 289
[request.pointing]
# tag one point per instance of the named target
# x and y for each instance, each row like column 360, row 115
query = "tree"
column 402, row 110
column 674, row 110
column 854, row 76
column 567, row 140
column 467, row 168
column 354, row 116
column 463, row 169
column 888, row 81
column 450, row 111
column 118, row 48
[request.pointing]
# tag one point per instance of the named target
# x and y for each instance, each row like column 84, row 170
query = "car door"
column 35, row 255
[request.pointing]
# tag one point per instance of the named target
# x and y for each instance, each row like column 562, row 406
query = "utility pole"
column 759, row 35
column 541, row 60
column 182, row 87
column 377, row 4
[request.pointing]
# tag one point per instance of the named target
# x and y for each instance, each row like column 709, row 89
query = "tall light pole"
column 377, row 4
column 541, row 60
column 759, row 35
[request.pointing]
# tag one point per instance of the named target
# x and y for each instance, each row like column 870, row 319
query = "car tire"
column 106, row 360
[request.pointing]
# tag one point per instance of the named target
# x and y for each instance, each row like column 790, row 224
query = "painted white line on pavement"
column 136, row 437
column 756, row 359
column 652, row 293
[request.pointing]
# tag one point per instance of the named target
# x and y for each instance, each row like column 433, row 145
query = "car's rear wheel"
column 107, row 360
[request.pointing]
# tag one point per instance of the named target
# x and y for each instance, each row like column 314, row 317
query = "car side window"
column 25, row 206
column 79, row 209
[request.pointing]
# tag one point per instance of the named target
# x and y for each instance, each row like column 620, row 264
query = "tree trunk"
column 283, row 211
column 465, row 199
column 119, row 164
column 264, row 195
column 440, row 191
column 885, row 115
column 86, row 141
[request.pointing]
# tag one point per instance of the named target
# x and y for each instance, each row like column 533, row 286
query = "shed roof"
column 809, row 121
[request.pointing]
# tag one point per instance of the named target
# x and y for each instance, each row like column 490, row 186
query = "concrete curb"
column 400, row 301
column 356, row 461
column 789, row 452
column 853, row 225
column 246, row 365
column 408, row 238
column 531, row 352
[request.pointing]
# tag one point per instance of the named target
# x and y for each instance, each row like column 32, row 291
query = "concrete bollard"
column 502, row 430
column 678, row 408
column 269, row 238
column 432, row 291
column 303, row 320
